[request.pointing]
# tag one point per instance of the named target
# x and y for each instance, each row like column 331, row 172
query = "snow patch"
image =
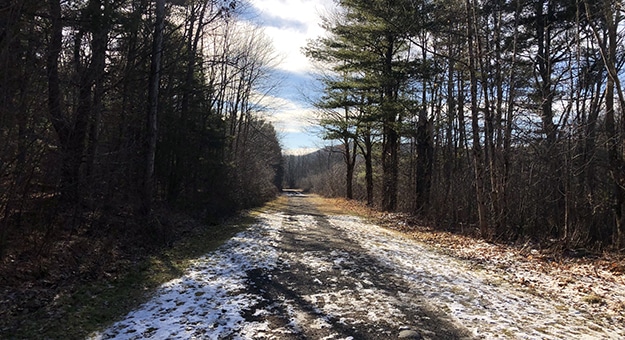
column 481, row 300
column 207, row 302
column 211, row 299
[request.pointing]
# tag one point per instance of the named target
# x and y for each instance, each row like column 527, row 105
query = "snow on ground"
column 206, row 302
column 358, row 304
column 211, row 299
column 480, row 299
column 586, row 285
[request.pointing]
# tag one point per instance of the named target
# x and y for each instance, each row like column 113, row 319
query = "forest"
column 115, row 114
column 506, row 117
column 131, row 130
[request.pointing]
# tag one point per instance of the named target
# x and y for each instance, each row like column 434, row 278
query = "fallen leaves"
column 616, row 267
column 595, row 282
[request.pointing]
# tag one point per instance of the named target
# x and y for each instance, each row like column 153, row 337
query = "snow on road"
column 207, row 302
column 213, row 300
column 480, row 300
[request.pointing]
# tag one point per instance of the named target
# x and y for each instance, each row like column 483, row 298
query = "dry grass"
column 278, row 204
column 341, row 206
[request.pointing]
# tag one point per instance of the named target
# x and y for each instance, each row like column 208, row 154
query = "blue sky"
column 290, row 24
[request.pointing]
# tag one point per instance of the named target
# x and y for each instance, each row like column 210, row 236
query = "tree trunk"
column 67, row 140
column 425, row 154
column 389, row 167
column 507, row 138
column 478, row 159
column 425, row 149
column 98, row 64
column 545, row 70
column 390, row 147
column 367, row 151
column 616, row 140
column 350, row 163
column 552, row 181
column 152, row 124
column 613, row 19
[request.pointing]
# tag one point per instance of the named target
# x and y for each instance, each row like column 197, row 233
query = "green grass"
column 92, row 307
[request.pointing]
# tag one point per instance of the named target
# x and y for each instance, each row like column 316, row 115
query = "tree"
column 97, row 150
column 152, row 114
column 457, row 92
column 608, row 43
column 478, row 160
column 370, row 51
column 340, row 127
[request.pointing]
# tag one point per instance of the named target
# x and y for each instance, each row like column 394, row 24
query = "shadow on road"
column 326, row 285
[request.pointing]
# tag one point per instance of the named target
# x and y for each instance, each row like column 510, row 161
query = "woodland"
column 128, row 125
column 503, row 117
column 117, row 116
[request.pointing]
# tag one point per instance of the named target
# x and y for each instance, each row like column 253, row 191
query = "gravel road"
column 326, row 286
column 302, row 274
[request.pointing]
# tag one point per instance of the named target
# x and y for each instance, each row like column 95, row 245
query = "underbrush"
column 84, row 278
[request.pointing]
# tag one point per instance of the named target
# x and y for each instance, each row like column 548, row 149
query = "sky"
column 290, row 24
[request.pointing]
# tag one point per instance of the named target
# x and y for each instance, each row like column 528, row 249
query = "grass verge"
column 83, row 309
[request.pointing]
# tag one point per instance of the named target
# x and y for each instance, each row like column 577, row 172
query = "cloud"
column 282, row 23
column 306, row 12
column 290, row 24
column 295, row 123
column 288, row 116
column 290, row 110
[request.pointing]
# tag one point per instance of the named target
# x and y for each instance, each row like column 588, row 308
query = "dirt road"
column 301, row 274
column 335, row 289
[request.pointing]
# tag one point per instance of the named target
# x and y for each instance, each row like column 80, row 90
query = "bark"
column 552, row 197
column 614, row 83
column 180, row 160
column 425, row 155
column 450, row 148
column 497, row 189
column 99, row 42
column 389, row 167
column 52, row 65
column 425, row 149
column 478, row 158
column 152, row 124
column 350, row 163
column 69, row 135
column 390, row 147
column 545, row 70
column 350, row 160
column 507, row 139
column 617, row 143
column 367, row 152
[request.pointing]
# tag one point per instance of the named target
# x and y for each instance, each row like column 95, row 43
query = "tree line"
column 123, row 107
column 505, row 115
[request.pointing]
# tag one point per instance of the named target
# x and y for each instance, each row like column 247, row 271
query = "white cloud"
column 288, row 44
column 300, row 151
column 289, row 116
column 290, row 24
